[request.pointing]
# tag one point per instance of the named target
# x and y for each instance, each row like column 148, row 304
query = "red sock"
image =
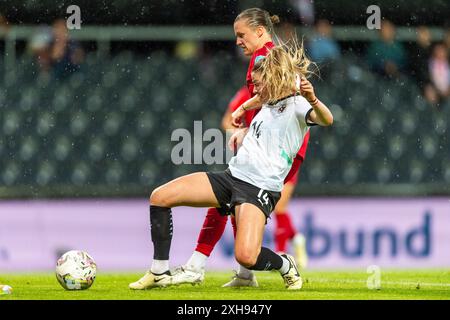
column 284, row 231
column 212, row 230
column 233, row 223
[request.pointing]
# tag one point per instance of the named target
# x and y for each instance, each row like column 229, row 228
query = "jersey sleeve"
column 302, row 110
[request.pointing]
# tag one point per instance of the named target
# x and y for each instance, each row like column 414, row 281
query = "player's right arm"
column 226, row 121
column 250, row 104
column 241, row 96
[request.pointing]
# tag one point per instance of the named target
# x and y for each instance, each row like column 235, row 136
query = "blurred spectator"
column 4, row 25
column 67, row 54
column 322, row 47
column 386, row 55
column 305, row 9
column 439, row 74
column 419, row 54
column 39, row 45
column 187, row 50
column 447, row 39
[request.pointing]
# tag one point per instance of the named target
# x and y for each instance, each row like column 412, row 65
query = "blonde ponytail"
column 281, row 68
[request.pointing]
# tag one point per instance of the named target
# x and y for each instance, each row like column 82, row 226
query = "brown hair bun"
column 275, row 19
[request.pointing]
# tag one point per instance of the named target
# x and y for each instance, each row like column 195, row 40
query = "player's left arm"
column 237, row 138
column 320, row 114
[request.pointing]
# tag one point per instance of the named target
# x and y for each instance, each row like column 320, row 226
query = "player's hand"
column 307, row 90
column 236, row 139
column 236, row 117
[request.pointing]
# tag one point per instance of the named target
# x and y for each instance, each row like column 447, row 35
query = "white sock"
column 298, row 239
column 244, row 273
column 197, row 261
column 285, row 267
column 159, row 266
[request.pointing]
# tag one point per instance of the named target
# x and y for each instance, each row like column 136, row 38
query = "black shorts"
column 231, row 191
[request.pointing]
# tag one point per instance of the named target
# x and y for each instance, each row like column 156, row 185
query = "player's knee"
column 158, row 198
column 246, row 258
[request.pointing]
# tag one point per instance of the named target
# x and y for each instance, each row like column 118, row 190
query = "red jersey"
column 260, row 52
column 239, row 98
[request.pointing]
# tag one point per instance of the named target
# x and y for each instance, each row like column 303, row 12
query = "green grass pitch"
column 395, row 284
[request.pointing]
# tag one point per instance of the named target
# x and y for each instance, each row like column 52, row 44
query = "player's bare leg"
column 243, row 277
column 284, row 230
column 249, row 234
column 178, row 192
column 193, row 272
column 192, row 190
column 250, row 253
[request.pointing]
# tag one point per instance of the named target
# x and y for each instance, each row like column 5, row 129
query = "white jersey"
column 274, row 137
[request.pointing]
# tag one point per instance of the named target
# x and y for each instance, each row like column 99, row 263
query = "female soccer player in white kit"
column 252, row 183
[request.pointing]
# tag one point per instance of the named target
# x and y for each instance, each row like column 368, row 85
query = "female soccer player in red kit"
column 253, row 29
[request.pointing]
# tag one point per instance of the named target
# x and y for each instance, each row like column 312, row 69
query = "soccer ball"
column 76, row 270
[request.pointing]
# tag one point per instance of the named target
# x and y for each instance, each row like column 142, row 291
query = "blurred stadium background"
column 85, row 128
